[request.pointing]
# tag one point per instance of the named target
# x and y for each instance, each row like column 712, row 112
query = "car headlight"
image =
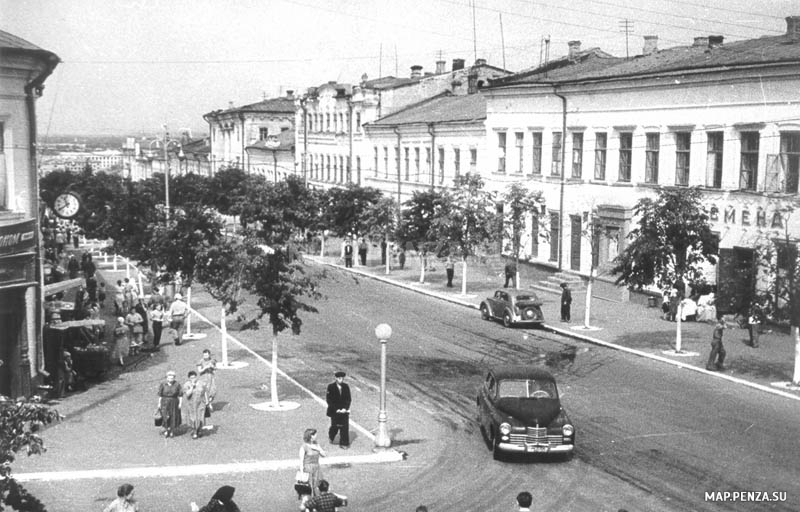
column 505, row 429
column 568, row 430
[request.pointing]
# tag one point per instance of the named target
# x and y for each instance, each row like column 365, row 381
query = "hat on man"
column 339, row 374
column 178, row 296
column 563, row 285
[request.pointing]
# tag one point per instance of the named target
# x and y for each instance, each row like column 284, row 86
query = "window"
column 310, row 123
column 416, row 163
column 428, row 168
column 327, row 122
column 625, row 154
column 790, row 158
column 555, row 170
column 358, row 165
column 263, row 133
column 555, row 236
column 385, row 162
column 714, row 160
column 341, row 169
column 519, row 141
column 328, row 161
column 408, row 163
column 335, row 168
column 536, row 162
column 341, row 122
column 473, row 160
column 683, row 144
column 376, row 161
column 577, row 155
column 501, row 152
column 600, row 147
column 652, row 146
column 441, row 165
column 748, row 174
column 358, row 120
column 457, row 161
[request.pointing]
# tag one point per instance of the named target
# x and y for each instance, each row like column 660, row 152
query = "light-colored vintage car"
column 513, row 308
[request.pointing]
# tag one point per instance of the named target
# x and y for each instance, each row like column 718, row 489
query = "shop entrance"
column 10, row 325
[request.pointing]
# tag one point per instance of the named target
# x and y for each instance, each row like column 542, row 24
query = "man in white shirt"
column 177, row 314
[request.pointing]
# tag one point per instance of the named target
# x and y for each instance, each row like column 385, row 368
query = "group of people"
column 197, row 394
column 349, row 249
column 221, row 501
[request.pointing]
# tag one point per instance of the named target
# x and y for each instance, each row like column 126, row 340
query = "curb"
column 571, row 334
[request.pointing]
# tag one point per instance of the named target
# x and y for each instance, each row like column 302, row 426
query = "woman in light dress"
column 310, row 452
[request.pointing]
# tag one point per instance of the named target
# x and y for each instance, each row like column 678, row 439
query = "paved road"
column 651, row 437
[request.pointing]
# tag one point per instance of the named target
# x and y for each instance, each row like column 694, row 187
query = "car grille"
column 534, row 435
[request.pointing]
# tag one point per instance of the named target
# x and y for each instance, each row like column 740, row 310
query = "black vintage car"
column 519, row 411
column 513, row 308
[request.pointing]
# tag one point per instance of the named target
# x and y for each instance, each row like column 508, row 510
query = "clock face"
column 67, row 205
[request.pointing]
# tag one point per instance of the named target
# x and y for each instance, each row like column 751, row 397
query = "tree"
column 226, row 189
column 518, row 204
column 280, row 210
column 343, row 208
column 672, row 241
column 20, row 423
column 417, row 225
column 379, row 219
column 467, row 220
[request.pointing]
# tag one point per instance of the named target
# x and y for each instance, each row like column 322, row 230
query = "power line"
column 627, row 27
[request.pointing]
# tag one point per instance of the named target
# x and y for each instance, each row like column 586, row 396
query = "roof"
column 283, row 104
column 768, row 50
column 201, row 145
column 11, row 41
column 285, row 142
column 521, row 372
column 444, row 108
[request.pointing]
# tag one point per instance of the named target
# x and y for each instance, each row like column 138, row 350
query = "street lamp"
column 165, row 144
column 383, row 332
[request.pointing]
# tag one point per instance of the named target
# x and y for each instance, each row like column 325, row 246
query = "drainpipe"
column 350, row 130
column 245, row 167
column 563, row 177
column 303, row 105
column 433, row 154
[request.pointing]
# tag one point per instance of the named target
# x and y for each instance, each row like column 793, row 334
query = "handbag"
column 301, row 477
column 158, row 420
column 207, row 412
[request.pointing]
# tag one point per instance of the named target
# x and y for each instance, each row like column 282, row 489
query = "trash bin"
column 651, row 302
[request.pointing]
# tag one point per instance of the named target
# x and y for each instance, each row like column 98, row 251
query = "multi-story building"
column 334, row 149
column 233, row 130
column 24, row 68
column 598, row 135
column 273, row 158
column 77, row 161
column 142, row 158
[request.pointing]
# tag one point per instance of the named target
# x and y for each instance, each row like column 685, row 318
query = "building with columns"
column 597, row 135
column 24, row 68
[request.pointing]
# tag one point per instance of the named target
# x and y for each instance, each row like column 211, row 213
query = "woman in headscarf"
column 124, row 501
column 222, row 501
column 169, row 402
column 196, row 393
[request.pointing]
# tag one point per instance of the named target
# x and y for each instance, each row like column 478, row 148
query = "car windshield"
column 527, row 389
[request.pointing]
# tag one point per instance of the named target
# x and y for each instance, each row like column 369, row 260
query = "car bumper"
column 536, row 448
column 521, row 321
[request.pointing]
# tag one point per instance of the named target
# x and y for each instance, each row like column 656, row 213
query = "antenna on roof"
column 474, row 35
column 626, row 26
column 502, row 40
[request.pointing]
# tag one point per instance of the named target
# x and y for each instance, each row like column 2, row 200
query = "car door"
column 485, row 400
column 499, row 303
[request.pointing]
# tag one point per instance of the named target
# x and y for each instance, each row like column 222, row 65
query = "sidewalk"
column 624, row 326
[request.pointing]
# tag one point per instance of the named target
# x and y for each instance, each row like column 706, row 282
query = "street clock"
column 67, row 205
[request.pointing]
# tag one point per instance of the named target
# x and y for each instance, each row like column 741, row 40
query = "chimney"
column 416, row 71
column 458, row 64
column 480, row 62
column 230, row 105
column 650, row 45
column 290, row 94
column 574, row 48
column 700, row 41
column 440, row 67
column 793, row 27
column 714, row 41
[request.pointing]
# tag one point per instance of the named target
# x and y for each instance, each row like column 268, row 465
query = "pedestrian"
column 384, row 245
column 449, row 268
column 717, row 356
column 401, row 258
column 524, row 501
column 754, row 325
column 88, row 265
column 566, row 302
column 157, row 319
column 134, row 322
column 511, row 273
column 122, row 342
column 169, row 403
column 156, row 297
column 674, row 300
column 73, row 267
column 119, row 299
column 59, row 242
column 81, row 297
column 196, row 393
column 130, row 294
column 362, row 251
column 310, row 452
column 76, row 236
column 177, row 314
column 101, row 295
column 422, row 508
column 325, row 501
column 91, row 288
column 338, row 398
column 142, row 310
column 347, row 252
column 124, row 501
column 221, row 501
column 665, row 304
column 206, row 372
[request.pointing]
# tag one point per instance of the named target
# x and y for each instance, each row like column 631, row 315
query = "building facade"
column 720, row 117
column 24, row 68
column 334, row 148
column 233, row 130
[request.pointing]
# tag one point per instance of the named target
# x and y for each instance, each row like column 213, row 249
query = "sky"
column 131, row 67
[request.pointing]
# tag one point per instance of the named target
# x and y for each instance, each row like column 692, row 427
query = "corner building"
column 720, row 116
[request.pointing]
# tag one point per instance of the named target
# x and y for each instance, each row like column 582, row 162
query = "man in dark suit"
column 338, row 398
column 566, row 302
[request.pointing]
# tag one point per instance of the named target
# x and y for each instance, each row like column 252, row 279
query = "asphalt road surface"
column 650, row 436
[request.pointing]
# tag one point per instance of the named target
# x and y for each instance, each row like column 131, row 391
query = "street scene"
column 551, row 267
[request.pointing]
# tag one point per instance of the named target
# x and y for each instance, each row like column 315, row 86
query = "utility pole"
column 626, row 26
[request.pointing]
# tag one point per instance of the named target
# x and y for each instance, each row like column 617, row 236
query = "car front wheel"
column 485, row 312
column 507, row 319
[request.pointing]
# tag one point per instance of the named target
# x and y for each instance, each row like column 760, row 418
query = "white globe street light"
column 383, row 332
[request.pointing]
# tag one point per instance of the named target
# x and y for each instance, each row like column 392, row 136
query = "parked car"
column 519, row 411
column 513, row 308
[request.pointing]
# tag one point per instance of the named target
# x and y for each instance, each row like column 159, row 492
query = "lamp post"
column 383, row 333
column 165, row 144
